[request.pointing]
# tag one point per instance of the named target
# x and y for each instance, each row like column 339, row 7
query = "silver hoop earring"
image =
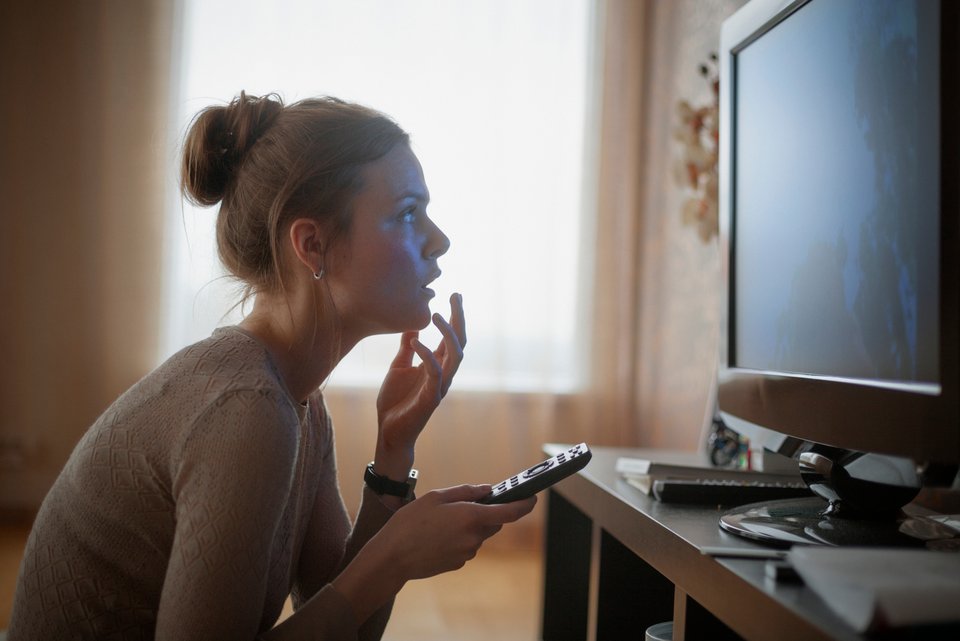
column 318, row 275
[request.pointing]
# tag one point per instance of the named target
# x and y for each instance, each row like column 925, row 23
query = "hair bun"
column 218, row 141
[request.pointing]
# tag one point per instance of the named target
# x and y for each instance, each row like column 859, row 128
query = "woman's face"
column 378, row 273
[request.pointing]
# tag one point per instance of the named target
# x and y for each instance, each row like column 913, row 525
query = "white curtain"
column 493, row 94
column 629, row 308
column 498, row 98
column 544, row 128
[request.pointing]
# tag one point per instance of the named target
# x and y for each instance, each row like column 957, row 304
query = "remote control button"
column 514, row 481
column 539, row 468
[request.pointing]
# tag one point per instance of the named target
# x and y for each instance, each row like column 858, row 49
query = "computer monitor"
column 839, row 218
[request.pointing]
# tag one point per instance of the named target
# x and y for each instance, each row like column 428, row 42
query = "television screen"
column 839, row 231
column 836, row 195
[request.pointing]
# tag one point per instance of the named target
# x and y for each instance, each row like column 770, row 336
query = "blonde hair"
column 267, row 164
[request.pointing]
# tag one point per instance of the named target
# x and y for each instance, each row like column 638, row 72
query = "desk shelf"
column 618, row 561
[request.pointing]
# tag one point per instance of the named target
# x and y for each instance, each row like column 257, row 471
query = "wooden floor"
column 495, row 596
column 12, row 539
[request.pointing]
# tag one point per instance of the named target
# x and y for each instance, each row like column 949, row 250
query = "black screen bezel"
column 904, row 420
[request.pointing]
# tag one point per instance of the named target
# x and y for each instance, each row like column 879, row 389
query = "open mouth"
column 432, row 278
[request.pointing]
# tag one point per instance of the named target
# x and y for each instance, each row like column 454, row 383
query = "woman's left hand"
column 410, row 394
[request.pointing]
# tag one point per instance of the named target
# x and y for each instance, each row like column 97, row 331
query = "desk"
column 618, row 561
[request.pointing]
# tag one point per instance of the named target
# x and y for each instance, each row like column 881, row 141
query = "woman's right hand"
column 443, row 529
column 438, row 532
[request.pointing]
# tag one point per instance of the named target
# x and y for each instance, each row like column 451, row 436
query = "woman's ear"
column 307, row 239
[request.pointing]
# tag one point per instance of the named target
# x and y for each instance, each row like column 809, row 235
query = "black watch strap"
column 382, row 485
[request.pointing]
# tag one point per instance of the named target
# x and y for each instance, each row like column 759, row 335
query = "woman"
column 207, row 493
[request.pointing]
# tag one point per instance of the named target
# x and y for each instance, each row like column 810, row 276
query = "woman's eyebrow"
column 420, row 196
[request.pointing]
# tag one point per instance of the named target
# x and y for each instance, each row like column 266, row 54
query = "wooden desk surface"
column 670, row 537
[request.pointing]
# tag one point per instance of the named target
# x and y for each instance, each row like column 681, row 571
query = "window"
column 494, row 95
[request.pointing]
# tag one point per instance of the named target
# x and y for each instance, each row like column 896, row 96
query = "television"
column 838, row 201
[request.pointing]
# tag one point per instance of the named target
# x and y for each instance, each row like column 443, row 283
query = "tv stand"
column 617, row 561
column 789, row 521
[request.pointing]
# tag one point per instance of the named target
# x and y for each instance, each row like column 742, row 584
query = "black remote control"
column 540, row 476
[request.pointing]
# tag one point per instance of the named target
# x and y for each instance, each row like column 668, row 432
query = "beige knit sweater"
column 191, row 509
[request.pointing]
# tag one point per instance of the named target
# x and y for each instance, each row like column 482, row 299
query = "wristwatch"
column 382, row 485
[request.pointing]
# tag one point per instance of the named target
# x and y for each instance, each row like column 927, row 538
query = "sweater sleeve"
column 373, row 514
column 370, row 518
column 231, row 480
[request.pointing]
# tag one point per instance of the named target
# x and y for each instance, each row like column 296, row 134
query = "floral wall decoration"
column 696, row 170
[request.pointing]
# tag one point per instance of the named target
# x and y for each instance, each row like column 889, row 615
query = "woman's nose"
column 438, row 244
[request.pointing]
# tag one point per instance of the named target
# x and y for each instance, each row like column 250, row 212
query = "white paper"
column 952, row 521
column 875, row 588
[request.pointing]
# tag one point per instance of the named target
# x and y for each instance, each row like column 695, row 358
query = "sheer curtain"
column 493, row 94
column 85, row 155
column 81, row 221
column 499, row 98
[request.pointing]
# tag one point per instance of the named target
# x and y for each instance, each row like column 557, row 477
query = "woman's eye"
column 408, row 216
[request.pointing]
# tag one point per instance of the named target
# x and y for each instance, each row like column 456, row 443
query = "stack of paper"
column 879, row 588
column 642, row 472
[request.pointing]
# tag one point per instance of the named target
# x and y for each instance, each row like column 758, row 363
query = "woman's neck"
column 304, row 345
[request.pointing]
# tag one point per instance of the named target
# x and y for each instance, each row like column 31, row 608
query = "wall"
column 679, row 274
